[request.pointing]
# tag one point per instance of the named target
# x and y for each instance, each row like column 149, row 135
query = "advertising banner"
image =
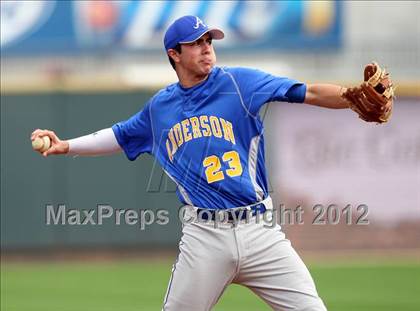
column 90, row 26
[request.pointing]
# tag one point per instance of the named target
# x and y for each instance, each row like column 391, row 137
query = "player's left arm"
column 326, row 95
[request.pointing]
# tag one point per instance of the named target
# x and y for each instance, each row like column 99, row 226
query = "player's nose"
column 206, row 47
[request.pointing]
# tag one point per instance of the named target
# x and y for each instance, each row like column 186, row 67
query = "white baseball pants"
column 250, row 254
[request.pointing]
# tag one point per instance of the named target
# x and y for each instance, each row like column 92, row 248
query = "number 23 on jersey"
column 213, row 166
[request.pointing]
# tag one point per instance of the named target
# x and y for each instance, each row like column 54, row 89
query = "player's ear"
column 174, row 55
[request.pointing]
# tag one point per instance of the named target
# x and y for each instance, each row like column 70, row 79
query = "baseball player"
column 206, row 133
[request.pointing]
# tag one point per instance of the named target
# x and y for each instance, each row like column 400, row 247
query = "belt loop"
column 257, row 208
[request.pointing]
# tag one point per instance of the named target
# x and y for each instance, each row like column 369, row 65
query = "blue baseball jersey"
column 209, row 138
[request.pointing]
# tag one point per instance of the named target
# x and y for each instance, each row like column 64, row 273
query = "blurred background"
column 80, row 66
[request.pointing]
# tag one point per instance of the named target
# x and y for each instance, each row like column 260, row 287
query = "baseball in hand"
column 41, row 144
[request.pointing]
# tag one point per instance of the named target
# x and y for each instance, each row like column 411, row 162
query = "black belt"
column 233, row 215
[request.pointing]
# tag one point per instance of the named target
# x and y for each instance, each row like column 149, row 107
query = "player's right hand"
column 58, row 146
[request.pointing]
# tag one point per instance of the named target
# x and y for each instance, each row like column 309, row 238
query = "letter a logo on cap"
column 197, row 24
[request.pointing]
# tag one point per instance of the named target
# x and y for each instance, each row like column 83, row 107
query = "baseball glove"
column 373, row 99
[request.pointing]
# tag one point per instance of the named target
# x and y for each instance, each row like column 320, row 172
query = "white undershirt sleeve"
column 99, row 143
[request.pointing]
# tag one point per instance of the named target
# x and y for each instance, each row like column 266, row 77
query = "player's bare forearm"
column 326, row 95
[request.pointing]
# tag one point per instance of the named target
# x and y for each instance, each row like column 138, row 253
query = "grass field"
column 141, row 285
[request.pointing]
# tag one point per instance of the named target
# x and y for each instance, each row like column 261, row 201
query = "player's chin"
column 206, row 67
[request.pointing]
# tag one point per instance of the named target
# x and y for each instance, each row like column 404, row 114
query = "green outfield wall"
column 337, row 148
column 30, row 182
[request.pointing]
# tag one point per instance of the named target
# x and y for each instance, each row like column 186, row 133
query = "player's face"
column 198, row 57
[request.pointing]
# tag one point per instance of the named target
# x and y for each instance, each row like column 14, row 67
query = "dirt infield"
column 151, row 254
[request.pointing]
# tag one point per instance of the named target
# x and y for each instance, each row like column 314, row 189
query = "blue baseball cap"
column 188, row 29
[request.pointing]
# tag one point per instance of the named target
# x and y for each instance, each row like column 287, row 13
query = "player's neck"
column 189, row 80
